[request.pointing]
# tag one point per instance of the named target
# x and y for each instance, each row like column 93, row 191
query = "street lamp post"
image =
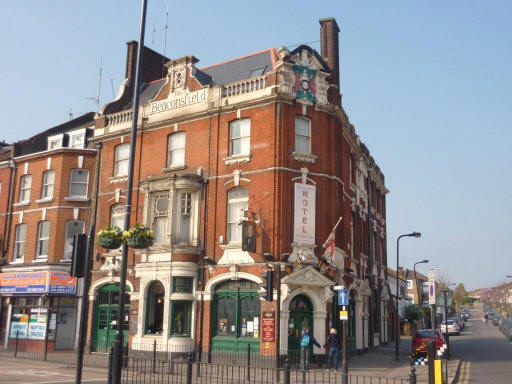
column 420, row 298
column 397, row 338
column 118, row 341
column 446, row 334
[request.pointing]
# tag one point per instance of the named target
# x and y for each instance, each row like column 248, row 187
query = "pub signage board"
column 268, row 326
column 304, row 214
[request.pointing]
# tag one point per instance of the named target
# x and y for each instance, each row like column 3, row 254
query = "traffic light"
column 78, row 255
column 268, row 286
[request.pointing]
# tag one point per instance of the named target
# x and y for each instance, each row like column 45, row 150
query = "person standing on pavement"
column 306, row 342
column 333, row 341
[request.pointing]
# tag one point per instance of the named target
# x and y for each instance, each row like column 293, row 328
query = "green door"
column 301, row 317
column 105, row 317
column 352, row 324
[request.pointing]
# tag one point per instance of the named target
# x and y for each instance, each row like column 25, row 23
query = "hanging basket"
column 139, row 242
column 110, row 241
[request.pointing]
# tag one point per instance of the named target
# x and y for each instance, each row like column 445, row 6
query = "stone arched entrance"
column 301, row 317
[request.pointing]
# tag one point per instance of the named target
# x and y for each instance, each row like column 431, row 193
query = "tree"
column 412, row 312
column 460, row 296
column 443, row 278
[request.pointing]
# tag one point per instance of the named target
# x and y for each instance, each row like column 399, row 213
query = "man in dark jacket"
column 333, row 341
column 306, row 342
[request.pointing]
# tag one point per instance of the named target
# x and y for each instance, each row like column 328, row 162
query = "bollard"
column 154, row 356
column 286, row 372
column 110, row 354
column 249, row 362
column 189, row 368
column 431, row 358
column 16, row 345
column 412, row 376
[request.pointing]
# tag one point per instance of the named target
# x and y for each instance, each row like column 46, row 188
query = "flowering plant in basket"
column 110, row 237
column 138, row 237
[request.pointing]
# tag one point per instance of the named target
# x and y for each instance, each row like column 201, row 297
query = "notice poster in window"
column 250, row 326
column 256, row 323
column 222, row 327
column 20, row 329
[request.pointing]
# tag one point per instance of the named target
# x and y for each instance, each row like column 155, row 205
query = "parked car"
column 460, row 321
column 453, row 327
column 422, row 337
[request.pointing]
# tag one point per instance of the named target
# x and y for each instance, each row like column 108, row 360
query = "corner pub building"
column 263, row 140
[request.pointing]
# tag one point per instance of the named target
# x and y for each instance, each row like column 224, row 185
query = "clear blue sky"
column 426, row 84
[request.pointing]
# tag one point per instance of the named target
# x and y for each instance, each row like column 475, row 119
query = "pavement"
column 25, row 371
column 380, row 361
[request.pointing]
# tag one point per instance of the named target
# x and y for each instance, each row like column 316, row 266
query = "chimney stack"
column 329, row 42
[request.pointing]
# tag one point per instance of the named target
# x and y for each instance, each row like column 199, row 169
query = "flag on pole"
column 330, row 244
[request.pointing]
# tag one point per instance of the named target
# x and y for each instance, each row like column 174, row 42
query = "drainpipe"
column 370, row 261
column 10, row 199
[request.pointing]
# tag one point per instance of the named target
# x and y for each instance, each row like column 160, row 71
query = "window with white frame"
column 19, row 241
column 122, row 155
column 73, row 227
column 48, row 183
column 43, row 239
column 25, row 185
column 176, row 150
column 240, row 137
column 77, row 140
column 238, row 200
column 160, row 217
column 409, row 284
column 55, row 142
column 117, row 216
column 302, row 135
column 79, row 183
column 184, row 217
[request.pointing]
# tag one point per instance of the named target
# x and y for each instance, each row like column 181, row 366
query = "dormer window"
column 55, row 142
column 77, row 138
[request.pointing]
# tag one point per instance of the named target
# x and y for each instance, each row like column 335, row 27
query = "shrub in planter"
column 138, row 237
column 110, row 238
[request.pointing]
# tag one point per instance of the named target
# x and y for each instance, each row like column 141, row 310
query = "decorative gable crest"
column 304, row 75
column 307, row 276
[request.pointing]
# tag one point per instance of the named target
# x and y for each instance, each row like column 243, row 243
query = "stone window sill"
column 77, row 199
column 173, row 168
column 21, row 204
column 45, row 200
column 41, row 260
column 231, row 246
column 237, row 159
column 118, row 179
column 304, row 157
column 18, row 261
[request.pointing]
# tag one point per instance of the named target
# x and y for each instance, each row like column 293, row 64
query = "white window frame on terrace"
column 55, row 142
column 47, row 188
column 20, row 243
column 185, row 217
column 176, row 150
column 244, row 137
column 121, row 171
column 160, row 217
column 77, row 134
column 25, row 187
column 80, row 183
column 68, row 240
column 42, row 239
column 237, row 201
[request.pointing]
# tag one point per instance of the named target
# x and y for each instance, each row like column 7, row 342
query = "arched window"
column 238, row 200
column 155, row 309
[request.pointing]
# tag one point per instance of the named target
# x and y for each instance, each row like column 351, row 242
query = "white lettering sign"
column 304, row 214
column 36, row 331
column 178, row 99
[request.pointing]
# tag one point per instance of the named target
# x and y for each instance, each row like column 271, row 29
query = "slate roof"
column 148, row 92
column 245, row 67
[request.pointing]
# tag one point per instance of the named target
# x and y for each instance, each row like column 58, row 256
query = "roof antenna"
column 166, row 26
column 112, row 86
column 70, row 114
column 97, row 98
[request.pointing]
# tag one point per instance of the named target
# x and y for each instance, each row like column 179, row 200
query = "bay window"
column 160, row 217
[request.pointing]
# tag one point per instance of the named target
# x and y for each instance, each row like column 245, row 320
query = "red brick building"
column 260, row 139
column 44, row 202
